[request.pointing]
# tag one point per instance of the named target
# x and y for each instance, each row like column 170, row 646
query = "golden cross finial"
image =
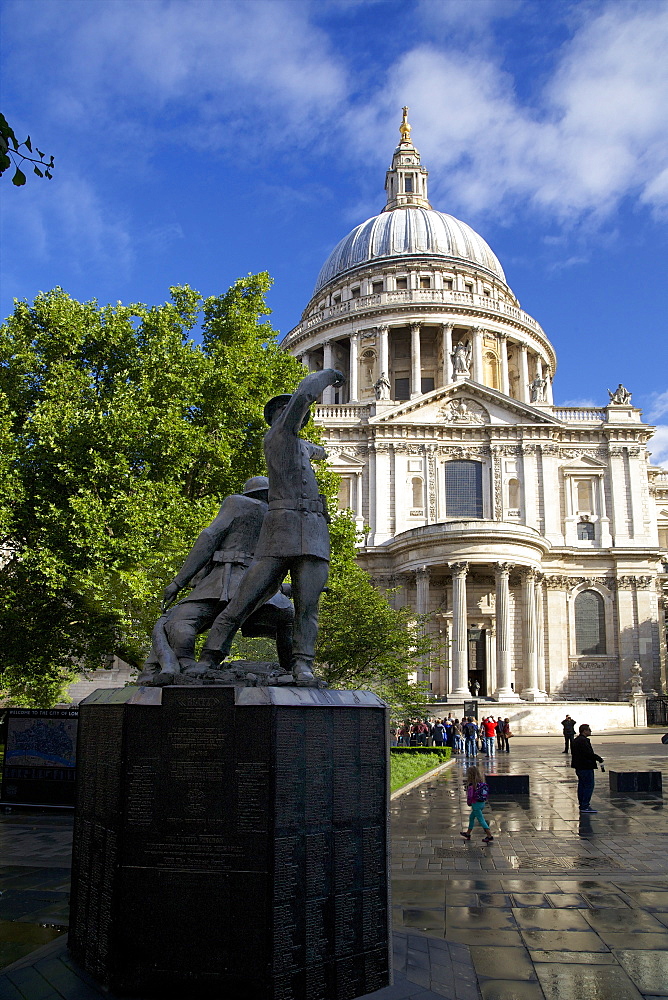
column 404, row 128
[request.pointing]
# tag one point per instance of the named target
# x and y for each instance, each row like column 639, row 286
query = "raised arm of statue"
column 306, row 393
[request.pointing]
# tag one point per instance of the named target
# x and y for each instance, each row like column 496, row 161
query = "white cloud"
column 658, row 406
column 243, row 65
column 658, row 445
column 597, row 132
column 584, row 403
column 67, row 221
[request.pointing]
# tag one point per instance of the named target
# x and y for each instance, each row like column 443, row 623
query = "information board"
column 39, row 761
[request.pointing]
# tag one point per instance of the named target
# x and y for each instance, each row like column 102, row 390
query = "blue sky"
column 198, row 140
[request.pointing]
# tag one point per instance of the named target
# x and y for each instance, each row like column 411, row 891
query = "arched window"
column 513, row 493
column 585, row 495
column 463, row 489
column 589, row 624
column 585, row 531
column 418, row 500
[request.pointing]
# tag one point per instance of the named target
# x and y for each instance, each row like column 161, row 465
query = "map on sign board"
column 41, row 742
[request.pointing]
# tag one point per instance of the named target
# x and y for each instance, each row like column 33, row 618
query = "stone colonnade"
column 500, row 663
column 538, row 368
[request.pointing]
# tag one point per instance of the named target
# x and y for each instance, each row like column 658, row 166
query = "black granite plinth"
column 508, row 784
column 232, row 839
column 635, row 781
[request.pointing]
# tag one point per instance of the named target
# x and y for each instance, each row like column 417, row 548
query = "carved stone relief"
column 464, row 411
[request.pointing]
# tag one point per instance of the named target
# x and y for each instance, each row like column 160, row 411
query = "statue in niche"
column 538, row 389
column 461, row 358
column 382, row 387
column 620, row 397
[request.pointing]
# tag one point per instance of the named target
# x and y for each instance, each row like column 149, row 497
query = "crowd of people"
column 466, row 735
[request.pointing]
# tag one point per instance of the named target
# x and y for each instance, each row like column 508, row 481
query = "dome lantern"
column 406, row 180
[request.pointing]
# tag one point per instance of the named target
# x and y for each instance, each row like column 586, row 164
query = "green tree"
column 11, row 155
column 120, row 435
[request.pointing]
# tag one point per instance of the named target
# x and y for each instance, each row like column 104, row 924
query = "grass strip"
column 406, row 767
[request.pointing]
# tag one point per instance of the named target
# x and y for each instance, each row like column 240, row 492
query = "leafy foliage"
column 119, row 438
column 11, row 155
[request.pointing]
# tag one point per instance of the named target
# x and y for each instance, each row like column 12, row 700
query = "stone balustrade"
column 416, row 296
column 581, row 413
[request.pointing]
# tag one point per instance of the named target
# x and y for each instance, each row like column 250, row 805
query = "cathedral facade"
column 533, row 536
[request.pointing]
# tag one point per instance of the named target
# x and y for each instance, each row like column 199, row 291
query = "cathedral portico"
column 532, row 537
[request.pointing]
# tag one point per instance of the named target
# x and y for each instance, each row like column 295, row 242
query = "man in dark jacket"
column 584, row 761
column 568, row 726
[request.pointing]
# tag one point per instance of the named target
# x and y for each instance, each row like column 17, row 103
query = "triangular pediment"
column 584, row 463
column 464, row 403
column 342, row 461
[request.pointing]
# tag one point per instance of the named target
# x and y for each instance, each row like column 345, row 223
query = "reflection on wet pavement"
column 558, row 906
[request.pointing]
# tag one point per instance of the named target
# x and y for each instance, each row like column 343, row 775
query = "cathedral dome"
column 402, row 232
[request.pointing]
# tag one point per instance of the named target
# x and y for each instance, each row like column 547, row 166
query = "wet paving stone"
column 646, row 941
column 647, row 969
column 502, row 963
column 622, row 920
column 551, row 920
column 560, row 940
column 479, row 918
column 605, row 982
column 501, row 989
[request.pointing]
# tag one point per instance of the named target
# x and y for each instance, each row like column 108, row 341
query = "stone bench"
column 508, row 784
column 635, row 781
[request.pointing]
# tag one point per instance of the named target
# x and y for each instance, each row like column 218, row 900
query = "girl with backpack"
column 477, row 796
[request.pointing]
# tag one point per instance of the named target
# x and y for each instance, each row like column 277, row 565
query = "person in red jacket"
column 489, row 733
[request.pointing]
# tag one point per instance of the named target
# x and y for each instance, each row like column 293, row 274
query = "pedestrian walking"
column 584, row 761
column 477, row 796
column 568, row 726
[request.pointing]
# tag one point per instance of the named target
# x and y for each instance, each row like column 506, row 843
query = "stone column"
column 422, row 608
column 416, row 361
column 477, row 374
column 353, row 382
column 446, row 333
column 384, row 353
column 503, row 692
column 548, row 392
column 381, row 523
column 540, row 637
column 490, row 652
column 460, row 658
column 530, row 491
column 619, row 490
column 524, row 374
column 328, row 362
column 530, row 691
column 503, row 350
